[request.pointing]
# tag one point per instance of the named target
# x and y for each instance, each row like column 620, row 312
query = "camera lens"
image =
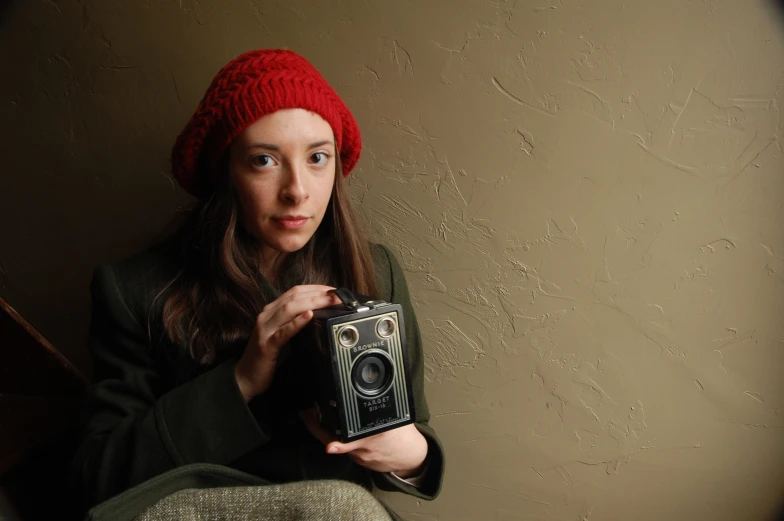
column 348, row 336
column 372, row 373
column 385, row 327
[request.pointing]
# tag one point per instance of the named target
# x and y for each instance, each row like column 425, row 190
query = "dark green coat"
column 151, row 410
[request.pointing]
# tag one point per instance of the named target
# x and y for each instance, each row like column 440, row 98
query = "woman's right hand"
column 277, row 323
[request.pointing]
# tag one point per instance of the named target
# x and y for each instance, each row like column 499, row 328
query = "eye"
column 319, row 158
column 262, row 161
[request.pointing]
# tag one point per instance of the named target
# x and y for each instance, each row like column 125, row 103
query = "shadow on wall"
column 778, row 5
column 4, row 6
column 780, row 516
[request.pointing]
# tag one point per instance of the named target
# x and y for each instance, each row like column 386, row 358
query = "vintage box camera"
column 353, row 360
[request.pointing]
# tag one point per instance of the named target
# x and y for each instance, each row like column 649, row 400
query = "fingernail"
column 333, row 450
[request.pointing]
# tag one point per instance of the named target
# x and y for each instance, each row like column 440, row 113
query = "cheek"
column 325, row 192
column 326, row 195
column 254, row 201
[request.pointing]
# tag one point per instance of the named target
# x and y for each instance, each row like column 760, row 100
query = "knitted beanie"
column 249, row 87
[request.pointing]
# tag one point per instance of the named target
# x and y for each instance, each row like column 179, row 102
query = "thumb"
column 336, row 447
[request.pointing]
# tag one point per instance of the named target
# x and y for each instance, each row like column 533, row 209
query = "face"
column 283, row 168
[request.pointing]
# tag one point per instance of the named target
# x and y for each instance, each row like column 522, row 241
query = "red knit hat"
column 250, row 86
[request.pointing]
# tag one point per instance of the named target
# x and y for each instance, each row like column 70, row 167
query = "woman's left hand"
column 402, row 450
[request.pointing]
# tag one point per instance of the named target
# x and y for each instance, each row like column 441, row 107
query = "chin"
column 289, row 244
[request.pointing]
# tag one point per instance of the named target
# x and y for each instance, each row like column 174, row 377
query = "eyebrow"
column 269, row 146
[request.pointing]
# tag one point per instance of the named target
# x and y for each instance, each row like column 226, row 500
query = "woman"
column 185, row 337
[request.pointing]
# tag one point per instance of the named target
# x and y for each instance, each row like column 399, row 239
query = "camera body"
column 354, row 359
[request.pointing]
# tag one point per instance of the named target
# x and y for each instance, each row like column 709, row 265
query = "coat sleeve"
column 431, row 482
column 134, row 427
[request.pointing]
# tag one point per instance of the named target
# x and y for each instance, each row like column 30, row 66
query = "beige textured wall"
column 587, row 197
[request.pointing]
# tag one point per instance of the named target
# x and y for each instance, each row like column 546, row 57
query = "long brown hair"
column 212, row 303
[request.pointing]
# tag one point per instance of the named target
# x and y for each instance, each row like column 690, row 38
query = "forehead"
column 287, row 127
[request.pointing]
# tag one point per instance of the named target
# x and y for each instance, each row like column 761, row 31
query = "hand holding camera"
column 351, row 360
column 278, row 322
column 347, row 354
column 402, row 450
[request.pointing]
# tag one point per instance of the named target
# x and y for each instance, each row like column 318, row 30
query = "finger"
column 337, row 447
column 309, row 287
column 273, row 306
column 311, row 422
column 285, row 333
column 297, row 305
column 301, row 291
column 287, row 309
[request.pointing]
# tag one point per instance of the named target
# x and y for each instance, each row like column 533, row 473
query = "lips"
column 291, row 222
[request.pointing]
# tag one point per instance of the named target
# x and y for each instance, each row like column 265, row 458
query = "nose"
column 294, row 189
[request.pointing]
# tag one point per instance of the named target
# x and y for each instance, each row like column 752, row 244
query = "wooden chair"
column 40, row 393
